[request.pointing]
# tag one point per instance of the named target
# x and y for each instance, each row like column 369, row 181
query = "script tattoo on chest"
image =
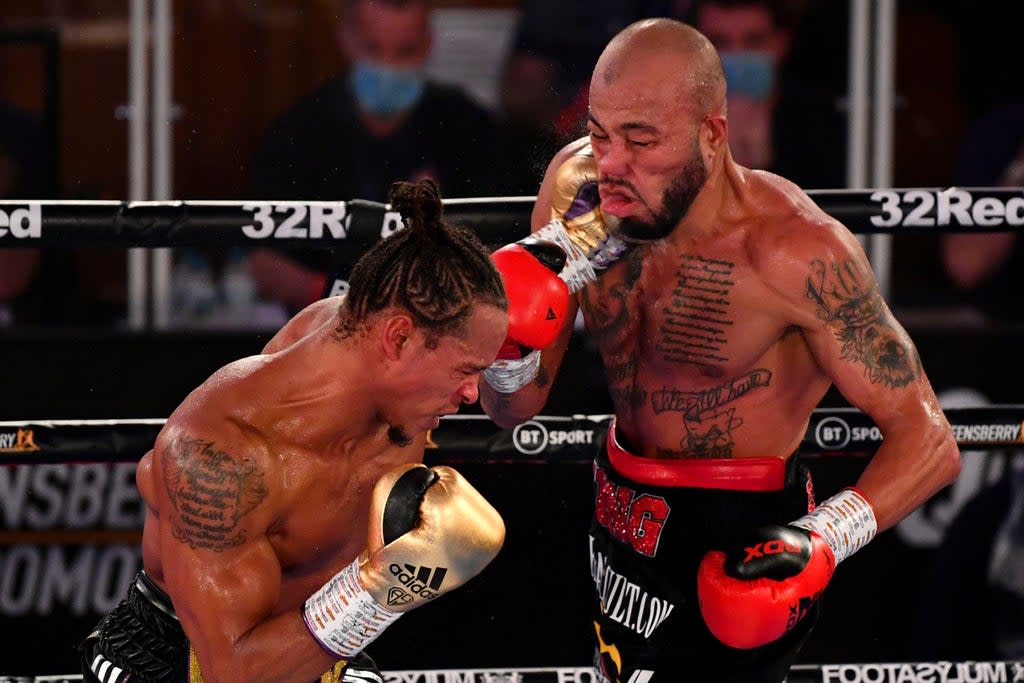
column 696, row 319
column 859, row 319
column 211, row 492
column 708, row 419
column 624, row 390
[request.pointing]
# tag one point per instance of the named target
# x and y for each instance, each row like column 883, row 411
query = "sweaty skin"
column 720, row 339
column 257, row 489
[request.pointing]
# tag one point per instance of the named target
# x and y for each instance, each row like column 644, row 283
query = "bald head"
column 671, row 52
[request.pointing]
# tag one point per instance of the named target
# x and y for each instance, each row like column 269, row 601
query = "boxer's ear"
column 713, row 134
column 396, row 331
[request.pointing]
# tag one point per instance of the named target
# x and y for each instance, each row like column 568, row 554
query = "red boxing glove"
column 758, row 590
column 537, row 298
column 538, row 302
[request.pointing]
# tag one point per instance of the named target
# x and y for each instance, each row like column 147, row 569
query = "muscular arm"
column 508, row 410
column 874, row 364
column 220, row 569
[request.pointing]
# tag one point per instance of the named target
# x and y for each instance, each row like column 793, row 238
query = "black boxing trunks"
column 142, row 640
column 654, row 519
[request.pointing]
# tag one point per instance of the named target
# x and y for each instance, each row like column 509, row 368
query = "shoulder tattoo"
column 848, row 302
column 211, row 492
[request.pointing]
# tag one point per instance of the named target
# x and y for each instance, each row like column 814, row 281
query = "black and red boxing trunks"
column 654, row 519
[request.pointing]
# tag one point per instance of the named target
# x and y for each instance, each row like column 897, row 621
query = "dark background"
column 530, row 607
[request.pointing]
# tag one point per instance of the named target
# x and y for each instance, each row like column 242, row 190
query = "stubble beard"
column 397, row 436
column 675, row 204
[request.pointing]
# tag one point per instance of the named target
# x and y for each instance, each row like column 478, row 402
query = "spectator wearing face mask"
column 776, row 122
column 380, row 121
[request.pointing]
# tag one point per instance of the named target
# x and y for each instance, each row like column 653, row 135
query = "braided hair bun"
column 420, row 204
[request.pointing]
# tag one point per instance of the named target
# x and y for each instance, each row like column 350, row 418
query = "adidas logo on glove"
column 421, row 581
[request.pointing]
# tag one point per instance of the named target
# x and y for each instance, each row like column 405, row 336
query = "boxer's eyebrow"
column 642, row 127
column 629, row 126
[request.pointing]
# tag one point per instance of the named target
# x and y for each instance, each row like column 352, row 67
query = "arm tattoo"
column 543, row 377
column 211, row 492
column 858, row 318
column 500, row 402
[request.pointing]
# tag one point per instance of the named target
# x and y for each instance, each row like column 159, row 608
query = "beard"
column 397, row 436
column 675, row 203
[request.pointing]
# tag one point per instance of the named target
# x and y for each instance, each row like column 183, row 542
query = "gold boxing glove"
column 578, row 224
column 430, row 532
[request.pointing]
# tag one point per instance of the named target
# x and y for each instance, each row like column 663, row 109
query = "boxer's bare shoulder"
column 305, row 321
column 788, row 233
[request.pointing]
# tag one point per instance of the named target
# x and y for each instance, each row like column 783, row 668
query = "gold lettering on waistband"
column 194, row 674
column 334, row 675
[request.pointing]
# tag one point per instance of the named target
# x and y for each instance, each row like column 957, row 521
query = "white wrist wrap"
column 846, row 522
column 509, row 375
column 343, row 617
column 581, row 267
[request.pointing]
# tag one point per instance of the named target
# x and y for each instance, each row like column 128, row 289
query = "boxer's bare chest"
column 692, row 344
column 322, row 529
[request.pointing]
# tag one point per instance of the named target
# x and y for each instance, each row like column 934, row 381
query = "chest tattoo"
column 708, row 419
column 696, row 317
column 606, row 303
column 613, row 324
column 859, row 319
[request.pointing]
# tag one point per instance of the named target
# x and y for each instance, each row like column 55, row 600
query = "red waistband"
column 733, row 474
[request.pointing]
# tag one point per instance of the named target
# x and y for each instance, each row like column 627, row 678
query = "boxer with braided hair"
column 285, row 497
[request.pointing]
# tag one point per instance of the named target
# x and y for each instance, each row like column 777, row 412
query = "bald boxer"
column 736, row 305
column 289, row 519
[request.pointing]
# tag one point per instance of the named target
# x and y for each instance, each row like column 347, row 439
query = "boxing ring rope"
column 357, row 224
column 476, row 439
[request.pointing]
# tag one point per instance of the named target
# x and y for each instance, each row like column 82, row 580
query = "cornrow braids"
column 434, row 270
